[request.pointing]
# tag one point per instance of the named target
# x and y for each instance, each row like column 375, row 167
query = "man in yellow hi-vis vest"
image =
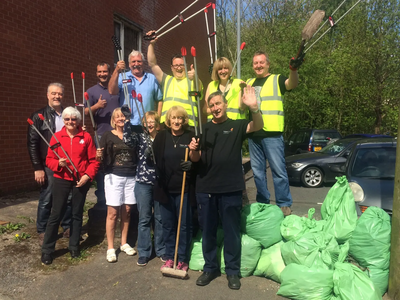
column 267, row 143
column 175, row 88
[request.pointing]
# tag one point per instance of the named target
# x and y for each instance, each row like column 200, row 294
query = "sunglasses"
column 72, row 119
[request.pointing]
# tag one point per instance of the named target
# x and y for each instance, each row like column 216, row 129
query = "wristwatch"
column 255, row 111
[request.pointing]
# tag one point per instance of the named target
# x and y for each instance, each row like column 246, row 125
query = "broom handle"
column 180, row 211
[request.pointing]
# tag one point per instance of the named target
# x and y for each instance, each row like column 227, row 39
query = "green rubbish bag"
column 339, row 211
column 196, row 261
column 251, row 251
column 303, row 283
column 262, row 222
column 270, row 264
column 293, row 227
column 370, row 243
column 349, row 282
column 380, row 278
column 313, row 249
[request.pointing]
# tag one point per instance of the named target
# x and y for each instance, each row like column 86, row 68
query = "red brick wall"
column 44, row 41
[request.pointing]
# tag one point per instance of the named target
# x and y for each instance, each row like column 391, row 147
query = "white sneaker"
column 128, row 249
column 111, row 257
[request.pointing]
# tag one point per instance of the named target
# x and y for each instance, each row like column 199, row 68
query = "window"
column 129, row 34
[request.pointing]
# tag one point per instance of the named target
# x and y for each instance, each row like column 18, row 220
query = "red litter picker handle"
column 183, row 51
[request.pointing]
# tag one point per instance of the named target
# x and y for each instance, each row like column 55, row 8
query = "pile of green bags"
column 271, row 264
column 370, row 245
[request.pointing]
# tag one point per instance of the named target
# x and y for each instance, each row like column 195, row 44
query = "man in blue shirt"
column 142, row 82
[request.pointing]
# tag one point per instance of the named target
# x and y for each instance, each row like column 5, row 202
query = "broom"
column 173, row 272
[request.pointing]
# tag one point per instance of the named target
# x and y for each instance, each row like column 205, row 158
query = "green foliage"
column 10, row 227
column 350, row 78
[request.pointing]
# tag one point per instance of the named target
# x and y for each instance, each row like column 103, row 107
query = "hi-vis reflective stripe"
column 168, row 83
column 273, row 112
column 233, row 110
column 271, row 98
column 184, row 101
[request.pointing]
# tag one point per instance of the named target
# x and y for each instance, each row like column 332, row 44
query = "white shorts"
column 119, row 190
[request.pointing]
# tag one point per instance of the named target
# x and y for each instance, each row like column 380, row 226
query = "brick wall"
column 44, row 41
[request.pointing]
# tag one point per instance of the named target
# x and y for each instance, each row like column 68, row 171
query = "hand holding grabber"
column 183, row 52
column 59, row 145
column 62, row 161
column 307, row 33
column 196, row 93
column 124, row 80
column 91, row 118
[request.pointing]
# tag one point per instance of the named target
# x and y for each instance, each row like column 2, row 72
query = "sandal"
column 111, row 257
column 128, row 249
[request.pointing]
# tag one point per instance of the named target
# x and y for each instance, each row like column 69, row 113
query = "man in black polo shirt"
column 220, row 183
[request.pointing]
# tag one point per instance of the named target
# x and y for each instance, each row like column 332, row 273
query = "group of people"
column 140, row 158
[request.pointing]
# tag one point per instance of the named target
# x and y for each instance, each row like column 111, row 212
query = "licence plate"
column 317, row 148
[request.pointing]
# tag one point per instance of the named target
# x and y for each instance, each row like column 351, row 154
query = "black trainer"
column 207, row 277
column 46, row 259
column 233, row 282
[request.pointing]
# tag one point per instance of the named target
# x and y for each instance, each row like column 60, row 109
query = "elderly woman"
column 231, row 88
column 80, row 148
column 169, row 150
column 120, row 163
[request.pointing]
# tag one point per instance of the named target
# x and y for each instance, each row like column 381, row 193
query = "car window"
column 292, row 138
column 321, row 137
column 374, row 162
column 300, row 138
column 337, row 146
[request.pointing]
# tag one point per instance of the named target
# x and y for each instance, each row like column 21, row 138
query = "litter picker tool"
column 92, row 119
column 173, row 272
column 183, row 52
column 124, row 80
column 208, row 35
column 309, row 30
column 196, row 93
column 140, row 99
column 48, row 144
column 73, row 87
column 62, row 148
column 83, row 98
column 154, row 35
column 234, row 66
column 215, row 31
column 332, row 23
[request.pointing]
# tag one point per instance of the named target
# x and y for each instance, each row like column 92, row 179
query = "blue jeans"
column 45, row 204
column 169, row 217
column 212, row 207
column 145, row 204
column 271, row 149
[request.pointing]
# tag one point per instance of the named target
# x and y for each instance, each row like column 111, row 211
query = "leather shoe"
column 207, row 277
column 46, row 259
column 233, row 282
column 75, row 253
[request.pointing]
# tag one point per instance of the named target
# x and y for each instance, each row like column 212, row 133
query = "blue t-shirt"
column 149, row 89
column 102, row 117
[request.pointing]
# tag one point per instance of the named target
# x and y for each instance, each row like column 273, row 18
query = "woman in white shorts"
column 120, row 162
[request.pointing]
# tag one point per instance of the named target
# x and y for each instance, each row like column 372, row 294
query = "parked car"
column 367, row 135
column 309, row 140
column 370, row 170
column 315, row 168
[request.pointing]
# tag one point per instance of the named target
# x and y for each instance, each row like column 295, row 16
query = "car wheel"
column 312, row 177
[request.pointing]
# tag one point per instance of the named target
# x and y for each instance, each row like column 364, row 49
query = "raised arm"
column 152, row 60
column 249, row 98
column 113, row 88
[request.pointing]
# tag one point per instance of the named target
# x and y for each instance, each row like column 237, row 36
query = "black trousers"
column 61, row 190
column 212, row 207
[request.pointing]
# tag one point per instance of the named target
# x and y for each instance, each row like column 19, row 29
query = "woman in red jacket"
column 80, row 147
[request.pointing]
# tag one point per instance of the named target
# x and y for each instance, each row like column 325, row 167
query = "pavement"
column 95, row 278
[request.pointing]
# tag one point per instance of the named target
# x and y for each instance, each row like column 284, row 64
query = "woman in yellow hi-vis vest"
column 231, row 88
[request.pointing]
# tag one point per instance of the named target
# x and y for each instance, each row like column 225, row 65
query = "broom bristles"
column 170, row 272
column 312, row 24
